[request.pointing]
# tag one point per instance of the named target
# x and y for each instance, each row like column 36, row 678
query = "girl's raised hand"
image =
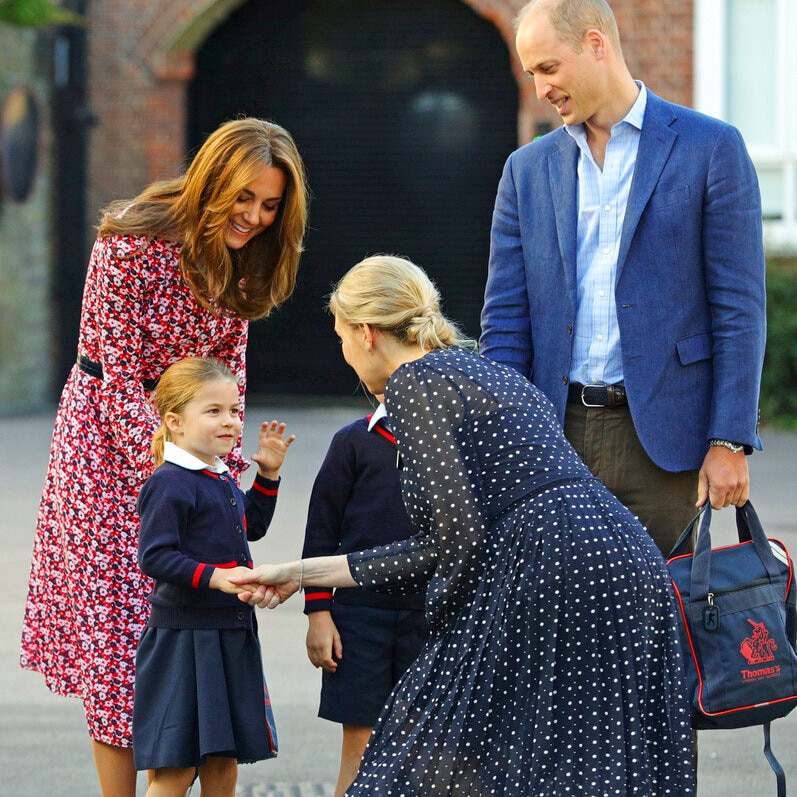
column 272, row 447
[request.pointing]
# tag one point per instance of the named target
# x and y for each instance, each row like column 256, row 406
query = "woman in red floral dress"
column 176, row 272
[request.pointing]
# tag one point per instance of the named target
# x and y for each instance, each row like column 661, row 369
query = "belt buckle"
column 584, row 401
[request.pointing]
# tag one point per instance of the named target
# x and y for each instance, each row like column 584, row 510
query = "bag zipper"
column 712, row 614
column 717, row 592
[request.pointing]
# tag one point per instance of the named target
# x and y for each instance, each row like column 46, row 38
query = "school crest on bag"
column 760, row 647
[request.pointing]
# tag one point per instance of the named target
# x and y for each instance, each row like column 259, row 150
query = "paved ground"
column 44, row 748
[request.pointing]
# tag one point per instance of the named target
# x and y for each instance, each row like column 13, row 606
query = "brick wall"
column 141, row 58
column 657, row 44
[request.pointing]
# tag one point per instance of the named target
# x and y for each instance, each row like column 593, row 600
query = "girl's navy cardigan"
column 356, row 504
column 193, row 521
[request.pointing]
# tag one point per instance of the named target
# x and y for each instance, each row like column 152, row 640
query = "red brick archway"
column 141, row 57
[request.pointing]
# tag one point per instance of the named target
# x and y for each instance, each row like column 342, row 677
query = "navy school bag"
column 738, row 617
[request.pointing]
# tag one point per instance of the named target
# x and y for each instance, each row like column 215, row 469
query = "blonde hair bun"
column 395, row 295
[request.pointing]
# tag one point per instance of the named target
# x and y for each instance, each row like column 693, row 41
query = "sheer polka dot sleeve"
column 440, row 482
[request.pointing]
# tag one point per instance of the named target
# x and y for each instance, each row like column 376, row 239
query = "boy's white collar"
column 379, row 413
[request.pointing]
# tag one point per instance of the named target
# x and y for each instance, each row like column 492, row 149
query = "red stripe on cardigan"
column 265, row 490
column 317, row 596
column 224, row 566
column 197, row 576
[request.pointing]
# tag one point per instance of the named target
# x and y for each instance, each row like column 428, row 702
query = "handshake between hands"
column 266, row 586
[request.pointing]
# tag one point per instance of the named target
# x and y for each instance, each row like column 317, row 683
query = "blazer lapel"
column 655, row 144
column 563, row 176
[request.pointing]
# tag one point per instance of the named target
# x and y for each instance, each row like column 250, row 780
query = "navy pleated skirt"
column 200, row 693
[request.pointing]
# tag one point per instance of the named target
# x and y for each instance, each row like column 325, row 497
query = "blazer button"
column 239, row 529
column 569, row 329
column 239, row 616
column 233, row 502
column 565, row 380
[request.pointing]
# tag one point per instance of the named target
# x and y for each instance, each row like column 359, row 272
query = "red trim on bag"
column 788, row 559
column 747, row 542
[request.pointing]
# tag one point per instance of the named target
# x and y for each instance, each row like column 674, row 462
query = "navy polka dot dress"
column 554, row 665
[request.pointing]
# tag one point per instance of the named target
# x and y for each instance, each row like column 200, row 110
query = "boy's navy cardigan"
column 193, row 521
column 356, row 504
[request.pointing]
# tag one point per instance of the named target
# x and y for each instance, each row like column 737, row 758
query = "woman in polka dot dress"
column 554, row 665
column 176, row 272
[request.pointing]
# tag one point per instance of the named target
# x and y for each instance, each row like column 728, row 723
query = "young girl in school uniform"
column 201, row 703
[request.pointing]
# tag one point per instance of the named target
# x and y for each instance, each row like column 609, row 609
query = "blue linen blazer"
column 690, row 289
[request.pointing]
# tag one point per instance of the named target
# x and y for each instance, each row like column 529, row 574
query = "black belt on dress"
column 597, row 395
column 95, row 369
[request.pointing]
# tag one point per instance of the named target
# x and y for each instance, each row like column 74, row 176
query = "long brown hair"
column 177, row 387
column 193, row 209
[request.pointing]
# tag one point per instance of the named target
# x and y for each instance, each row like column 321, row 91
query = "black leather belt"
column 95, row 369
column 597, row 395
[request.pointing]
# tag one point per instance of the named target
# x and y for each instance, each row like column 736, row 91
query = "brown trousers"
column 607, row 442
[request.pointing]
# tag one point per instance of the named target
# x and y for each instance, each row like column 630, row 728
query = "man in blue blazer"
column 626, row 275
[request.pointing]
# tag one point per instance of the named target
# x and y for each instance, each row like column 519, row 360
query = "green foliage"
column 36, row 14
column 779, row 380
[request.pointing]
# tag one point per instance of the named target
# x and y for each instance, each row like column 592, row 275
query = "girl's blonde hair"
column 178, row 386
column 394, row 295
column 194, row 209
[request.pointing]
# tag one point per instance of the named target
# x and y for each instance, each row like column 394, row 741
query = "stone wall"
column 26, row 318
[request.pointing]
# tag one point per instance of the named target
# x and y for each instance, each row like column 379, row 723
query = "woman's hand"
column 268, row 586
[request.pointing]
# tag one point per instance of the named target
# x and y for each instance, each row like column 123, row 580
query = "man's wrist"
column 736, row 448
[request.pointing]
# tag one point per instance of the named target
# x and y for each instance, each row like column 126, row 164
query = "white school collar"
column 379, row 413
column 179, row 456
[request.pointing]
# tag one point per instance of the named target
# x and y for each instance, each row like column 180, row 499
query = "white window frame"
column 710, row 92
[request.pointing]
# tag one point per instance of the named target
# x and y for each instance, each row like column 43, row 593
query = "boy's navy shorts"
column 378, row 646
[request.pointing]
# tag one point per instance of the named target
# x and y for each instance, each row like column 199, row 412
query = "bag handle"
column 682, row 545
column 745, row 518
column 748, row 528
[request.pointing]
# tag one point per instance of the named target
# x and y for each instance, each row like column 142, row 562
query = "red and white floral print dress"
column 87, row 600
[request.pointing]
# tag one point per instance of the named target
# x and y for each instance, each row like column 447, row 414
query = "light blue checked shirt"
column 602, row 201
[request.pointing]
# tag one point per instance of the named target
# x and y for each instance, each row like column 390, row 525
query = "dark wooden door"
column 404, row 112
